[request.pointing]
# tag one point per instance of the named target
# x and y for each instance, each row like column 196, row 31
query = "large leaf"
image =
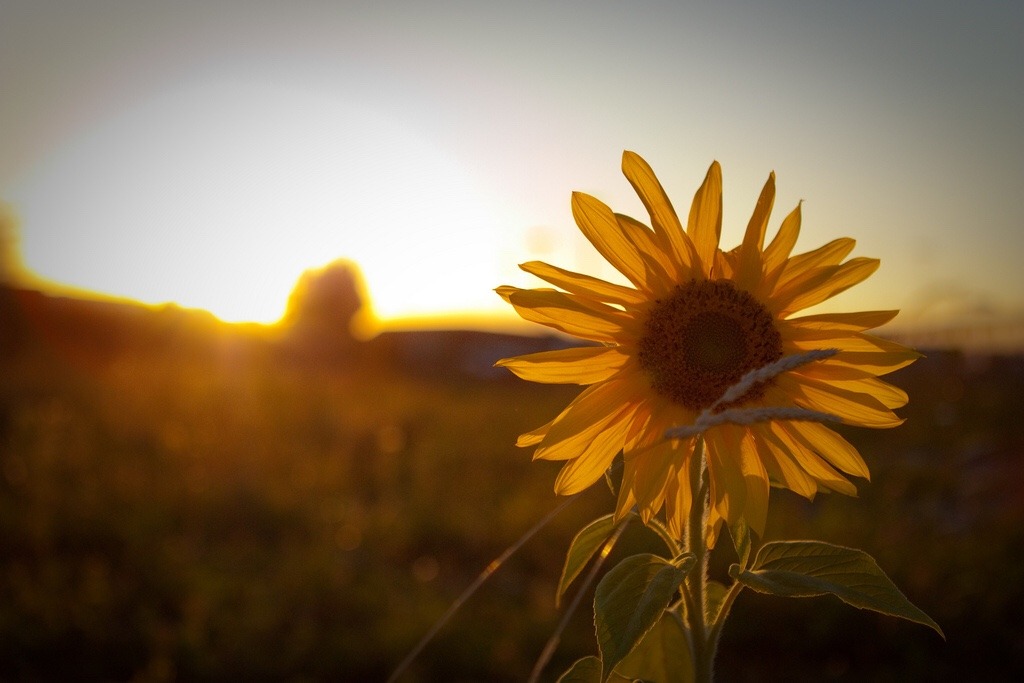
column 810, row 568
column 587, row 542
column 663, row 656
column 586, row 670
column 630, row 600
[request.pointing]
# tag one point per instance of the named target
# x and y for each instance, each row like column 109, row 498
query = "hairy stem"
column 698, row 580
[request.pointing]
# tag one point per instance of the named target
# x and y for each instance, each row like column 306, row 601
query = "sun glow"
column 219, row 194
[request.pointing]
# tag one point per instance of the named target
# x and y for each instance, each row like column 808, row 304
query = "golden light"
column 218, row 194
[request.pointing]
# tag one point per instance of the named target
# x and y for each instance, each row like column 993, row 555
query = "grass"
column 246, row 518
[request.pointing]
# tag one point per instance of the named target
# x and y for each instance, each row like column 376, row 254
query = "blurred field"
column 206, row 504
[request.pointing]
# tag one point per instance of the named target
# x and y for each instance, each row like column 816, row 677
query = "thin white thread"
column 747, row 416
column 766, row 372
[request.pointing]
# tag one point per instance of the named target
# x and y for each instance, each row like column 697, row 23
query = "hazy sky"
column 208, row 152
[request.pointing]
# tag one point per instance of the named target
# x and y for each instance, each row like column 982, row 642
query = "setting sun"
column 208, row 156
column 219, row 194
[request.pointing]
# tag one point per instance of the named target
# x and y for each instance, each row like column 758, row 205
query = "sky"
column 207, row 153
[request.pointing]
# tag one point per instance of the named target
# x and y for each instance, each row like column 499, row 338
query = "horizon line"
column 1003, row 332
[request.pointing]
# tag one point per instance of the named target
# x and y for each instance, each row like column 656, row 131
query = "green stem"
column 697, row 582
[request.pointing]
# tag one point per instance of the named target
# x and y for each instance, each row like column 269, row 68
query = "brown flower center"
column 702, row 338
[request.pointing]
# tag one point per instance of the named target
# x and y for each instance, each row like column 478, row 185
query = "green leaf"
column 662, row 531
column 662, row 656
column 810, row 568
column 586, row 544
column 630, row 599
column 740, row 534
column 685, row 561
column 586, row 670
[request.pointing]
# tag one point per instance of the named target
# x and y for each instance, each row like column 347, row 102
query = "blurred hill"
column 323, row 325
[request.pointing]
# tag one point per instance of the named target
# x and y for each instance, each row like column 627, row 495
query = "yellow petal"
column 776, row 253
column 704, row 224
column 799, row 266
column 829, row 371
column 855, row 380
column 653, row 459
column 639, row 433
column 533, row 437
column 582, row 365
column 652, row 470
column 580, row 473
column 664, row 415
column 600, row 226
column 807, row 338
column 662, row 270
column 537, row 435
column 712, row 529
column 804, row 455
column 593, row 411
column 880, row 363
column 851, row 407
column 780, row 464
column 506, row 291
column 584, row 285
column 571, row 446
column 845, row 375
column 857, row 350
column 891, row 396
column 570, row 314
column 590, row 466
column 728, row 487
column 625, row 502
column 855, row 322
column 822, row 284
column 678, row 494
column 664, row 219
column 756, row 477
column 725, row 265
column 833, row 448
column 750, row 266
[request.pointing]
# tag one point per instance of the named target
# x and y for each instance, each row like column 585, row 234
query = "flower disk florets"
column 705, row 336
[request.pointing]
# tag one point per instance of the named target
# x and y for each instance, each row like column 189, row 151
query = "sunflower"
column 695, row 321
